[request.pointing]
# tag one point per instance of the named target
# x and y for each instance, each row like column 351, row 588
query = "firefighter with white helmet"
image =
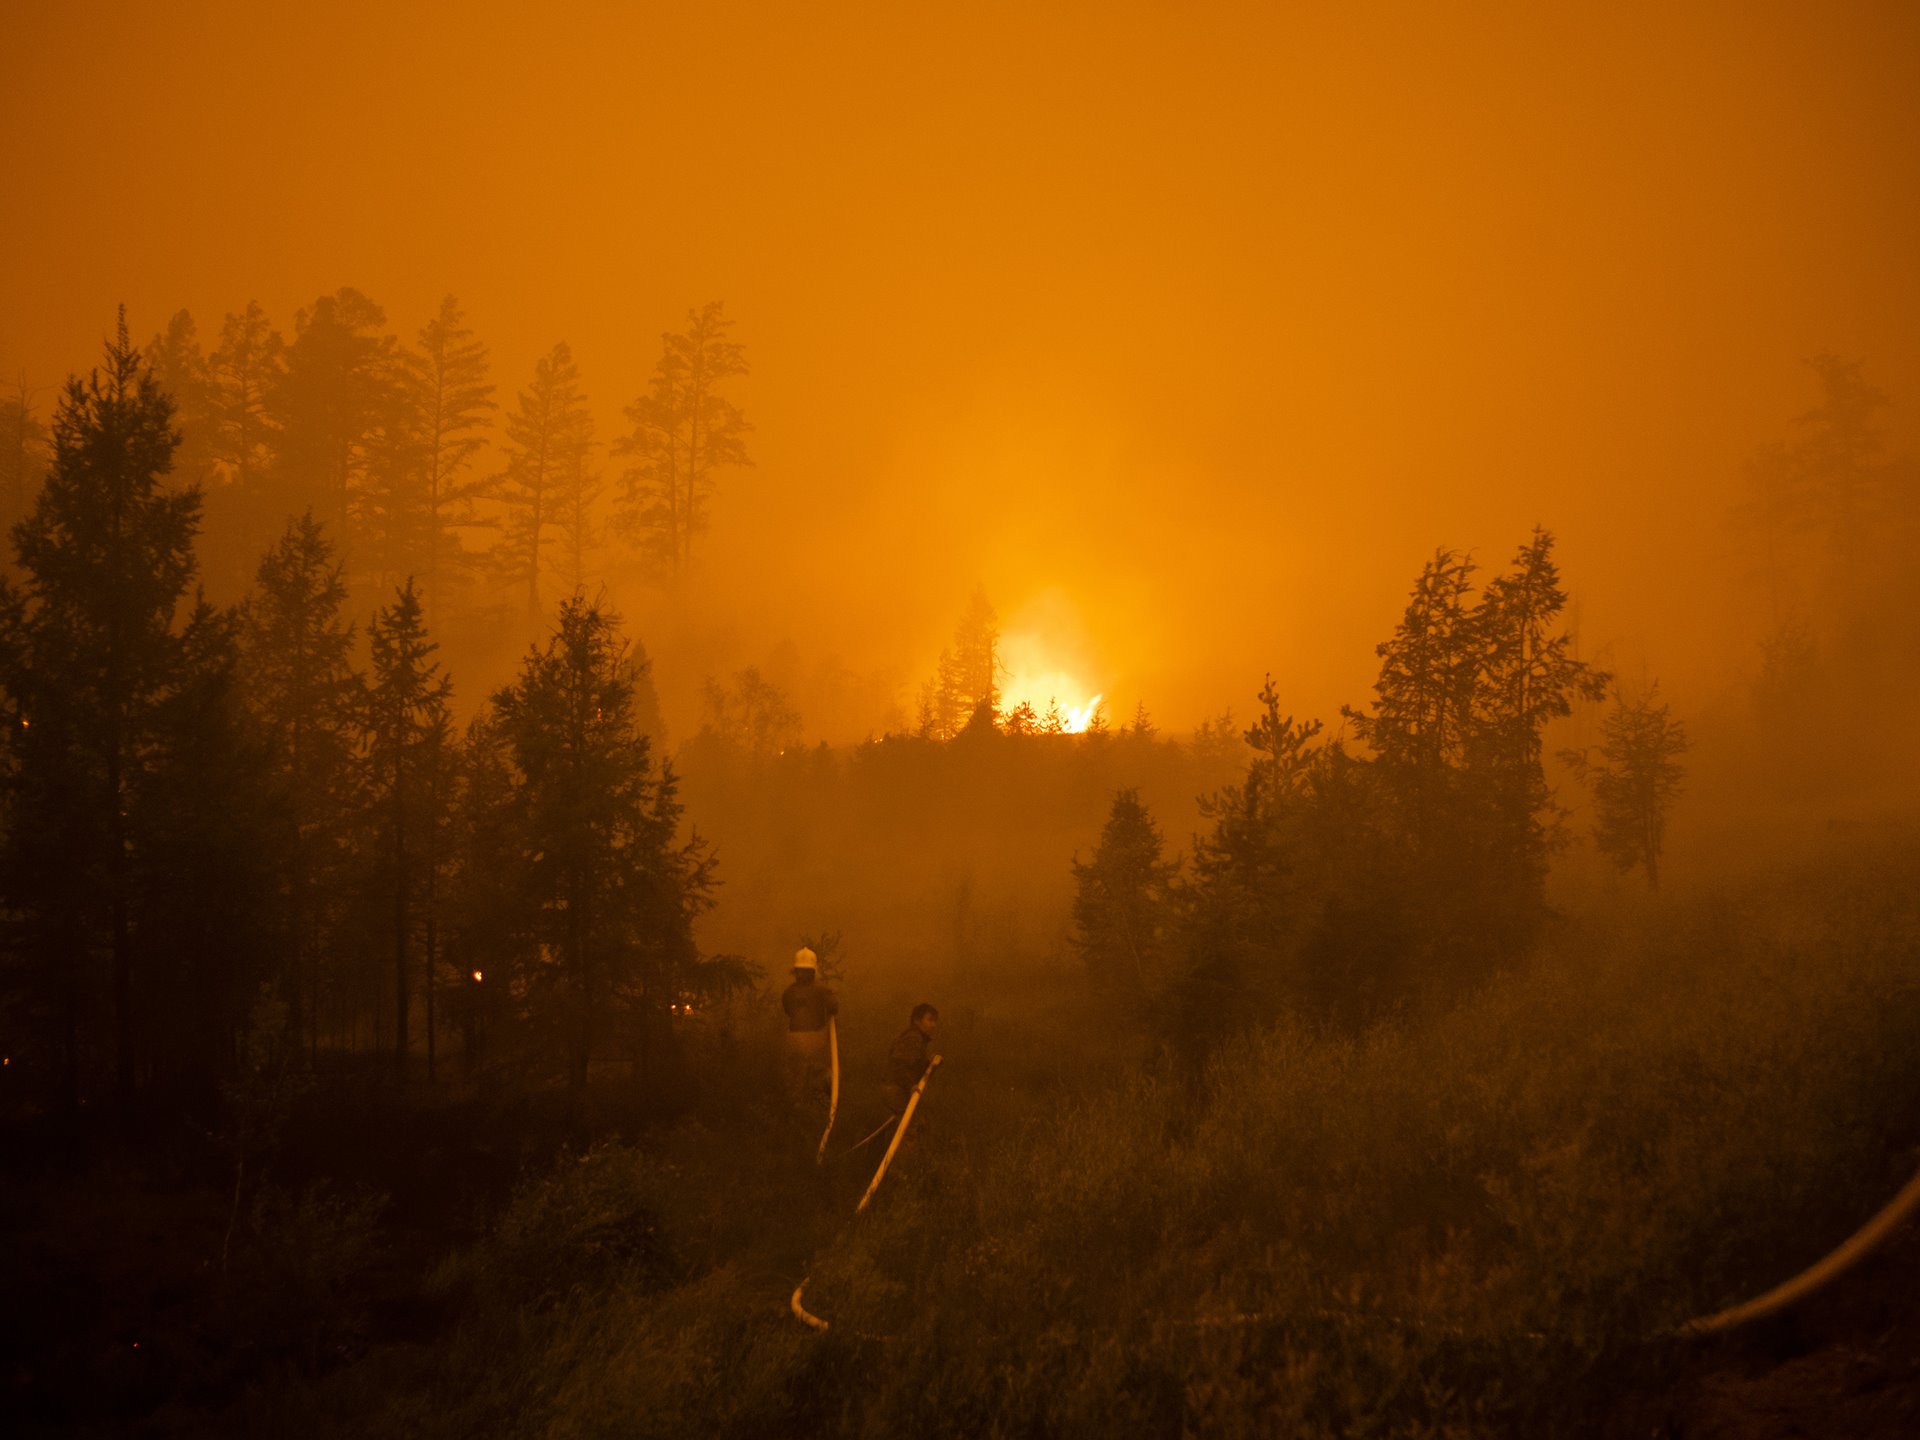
column 810, row 1006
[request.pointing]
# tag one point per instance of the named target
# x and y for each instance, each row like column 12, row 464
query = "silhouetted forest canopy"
column 281, row 885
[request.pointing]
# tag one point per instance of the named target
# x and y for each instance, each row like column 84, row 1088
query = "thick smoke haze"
column 1261, row 651
column 1187, row 331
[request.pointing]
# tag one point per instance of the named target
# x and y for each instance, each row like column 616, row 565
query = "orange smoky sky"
column 1188, row 330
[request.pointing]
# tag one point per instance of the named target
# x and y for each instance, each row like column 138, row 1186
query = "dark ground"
column 121, row 1320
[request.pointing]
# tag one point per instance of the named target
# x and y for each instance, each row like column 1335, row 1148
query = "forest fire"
column 1081, row 718
column 1313, row 605
column 1038, row 687
column 1038, row 703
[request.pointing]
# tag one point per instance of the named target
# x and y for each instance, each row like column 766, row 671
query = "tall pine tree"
column 407, row 735
column 93, row 653
column 685, row 430
column 1635, row 781
column 245, row 372
column 549, row 433
column 609, row 889
column 181, row 370
column 333, row 408
column 452, row 406
column 307, row 698
column 25, row 451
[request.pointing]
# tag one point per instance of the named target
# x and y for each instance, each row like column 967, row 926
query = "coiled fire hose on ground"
column 879, row 1174
column 833, row 1101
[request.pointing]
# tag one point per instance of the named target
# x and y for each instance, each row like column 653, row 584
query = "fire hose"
column 1850, row 1252
column 1855, row 1248
column 833, row 1101
column 879, row 1174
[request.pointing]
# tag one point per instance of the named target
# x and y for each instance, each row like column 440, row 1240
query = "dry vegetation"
column 1476, row 1222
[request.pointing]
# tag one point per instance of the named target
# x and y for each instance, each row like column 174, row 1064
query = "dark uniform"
column 907, row 1060
column 809, row 1005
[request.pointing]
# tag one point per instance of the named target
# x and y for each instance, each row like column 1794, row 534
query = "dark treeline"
column 228, row 820
column 405, row 452
column 223, row 830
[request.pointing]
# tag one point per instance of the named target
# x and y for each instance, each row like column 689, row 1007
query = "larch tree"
column 965, row 685
column 1839, row 480
column 549, row 433
column 576, row 517
column 92, row 654
column 307, row 699
column 976, row 655
column 450, row 407
column 753, row 715
column 332, row 408
column 180, row 368
column 389, row 504
column 685, row 431
column 407, row 735
column 199, row 837
column 492, row 934
column 1816, row 514
column 943, row 707
column 25, row 452
column 244, row 371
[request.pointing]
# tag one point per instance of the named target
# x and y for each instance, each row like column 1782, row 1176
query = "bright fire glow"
column 1036, row 675
column 1080, row 717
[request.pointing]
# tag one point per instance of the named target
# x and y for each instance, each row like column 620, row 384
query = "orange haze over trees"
column 1195, row 329
column 1327, row 591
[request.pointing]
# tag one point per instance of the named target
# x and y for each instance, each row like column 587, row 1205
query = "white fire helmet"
column 805, row 959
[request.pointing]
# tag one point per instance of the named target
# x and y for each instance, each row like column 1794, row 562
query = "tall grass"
column 1480, row 1222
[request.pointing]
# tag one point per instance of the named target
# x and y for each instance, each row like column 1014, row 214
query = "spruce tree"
column 1423, row 699
column 1122, row 906
column 609, row 888
column 1528, row 677
column 1636, row 781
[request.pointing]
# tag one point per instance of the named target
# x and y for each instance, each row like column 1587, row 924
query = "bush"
column 590, row 1223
